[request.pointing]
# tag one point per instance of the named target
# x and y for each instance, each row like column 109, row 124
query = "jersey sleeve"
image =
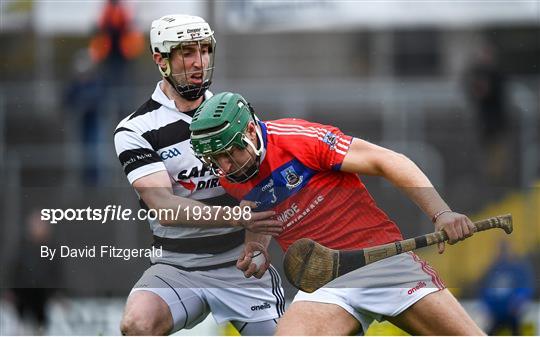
column 136, row 155
column 320, row 147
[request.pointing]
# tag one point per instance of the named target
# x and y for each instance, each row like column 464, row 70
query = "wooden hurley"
column 309, row 265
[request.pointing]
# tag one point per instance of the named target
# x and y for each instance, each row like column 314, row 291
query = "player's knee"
column 146, row 314
column 137, row 324
column 130, row 327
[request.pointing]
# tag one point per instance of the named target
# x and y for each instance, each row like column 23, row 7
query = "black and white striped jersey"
column 156, row 138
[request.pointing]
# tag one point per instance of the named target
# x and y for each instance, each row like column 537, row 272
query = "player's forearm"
column 427, row 199
column 257, row 237
column 407, row 176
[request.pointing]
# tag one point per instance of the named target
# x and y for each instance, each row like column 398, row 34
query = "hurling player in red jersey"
column 308, row 174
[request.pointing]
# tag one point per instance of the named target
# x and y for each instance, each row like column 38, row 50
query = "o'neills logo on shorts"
column 261, row 307
column 420, row 284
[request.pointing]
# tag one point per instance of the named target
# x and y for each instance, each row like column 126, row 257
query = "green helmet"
column 218, row 125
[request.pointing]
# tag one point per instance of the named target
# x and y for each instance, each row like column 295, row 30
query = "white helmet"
column 172, row 31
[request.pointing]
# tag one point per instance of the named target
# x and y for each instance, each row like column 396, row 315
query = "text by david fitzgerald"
column 99, row 252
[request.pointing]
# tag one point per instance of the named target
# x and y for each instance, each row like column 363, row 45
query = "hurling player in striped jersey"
column 308, row 174
column 196, row 273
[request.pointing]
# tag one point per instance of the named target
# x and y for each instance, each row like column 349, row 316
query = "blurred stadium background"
column 404, row 74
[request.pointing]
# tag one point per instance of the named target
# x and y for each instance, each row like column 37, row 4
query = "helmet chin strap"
column 189, row 92
column 257, row 151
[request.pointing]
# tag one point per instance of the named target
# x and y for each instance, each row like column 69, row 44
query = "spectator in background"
column 34, row 278
column 506, row 289
column 116, row 40
column 98, row 90
column 82, row 101
column 115, row 43
column 485, row 86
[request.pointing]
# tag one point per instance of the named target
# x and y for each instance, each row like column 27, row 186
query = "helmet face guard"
column 180, row 81
column 218, row 130
column 243, row 171
column 171, row 33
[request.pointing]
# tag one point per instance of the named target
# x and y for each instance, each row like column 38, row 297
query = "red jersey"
column 300, row 179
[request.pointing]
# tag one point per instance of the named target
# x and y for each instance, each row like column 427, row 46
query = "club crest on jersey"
column 330, row 139
column 291, row 177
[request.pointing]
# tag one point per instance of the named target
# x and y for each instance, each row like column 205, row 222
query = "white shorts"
column 192, row 295
column 384, row 288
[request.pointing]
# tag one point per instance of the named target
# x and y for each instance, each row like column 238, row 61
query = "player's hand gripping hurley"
column 309, row 265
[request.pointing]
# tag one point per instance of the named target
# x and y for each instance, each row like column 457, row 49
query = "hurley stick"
column 309, row 265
